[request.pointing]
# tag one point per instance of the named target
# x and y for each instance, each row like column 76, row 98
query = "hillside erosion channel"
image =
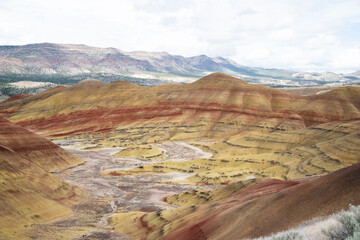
column 110, row 195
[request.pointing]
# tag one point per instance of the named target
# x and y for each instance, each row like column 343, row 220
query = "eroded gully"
column 126, row 193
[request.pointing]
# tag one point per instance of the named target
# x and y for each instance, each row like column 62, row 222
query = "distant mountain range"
column 69, row 64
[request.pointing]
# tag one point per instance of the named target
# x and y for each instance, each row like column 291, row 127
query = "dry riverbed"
column 109, row 195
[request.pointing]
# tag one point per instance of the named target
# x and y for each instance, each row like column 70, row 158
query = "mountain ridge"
column 70, row 63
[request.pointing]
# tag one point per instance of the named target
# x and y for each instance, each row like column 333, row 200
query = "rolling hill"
column 29, row 194
column 283, row 158
column 250, row 210
column 259, row 131
column 214, row 105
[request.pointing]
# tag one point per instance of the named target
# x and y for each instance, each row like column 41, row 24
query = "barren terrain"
column 258, row 139
column 109, row 195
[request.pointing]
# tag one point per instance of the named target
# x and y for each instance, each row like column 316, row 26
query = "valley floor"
column 117, row 194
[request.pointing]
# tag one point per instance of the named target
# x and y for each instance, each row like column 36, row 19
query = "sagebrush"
column 348, row 227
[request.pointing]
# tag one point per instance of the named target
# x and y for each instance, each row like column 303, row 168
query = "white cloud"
column 311, row 35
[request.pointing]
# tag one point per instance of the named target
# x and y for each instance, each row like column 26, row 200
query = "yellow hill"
column 143, row 152
column 289, row 155
column 29, row 194
column 215, row 106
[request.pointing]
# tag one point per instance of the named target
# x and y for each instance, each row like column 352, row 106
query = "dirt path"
column 122, row 193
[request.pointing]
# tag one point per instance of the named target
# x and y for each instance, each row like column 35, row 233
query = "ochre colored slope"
column 260, row 131
column 346, row 92
column 29, row 194
column 215, row 106
column 39, row 150
column 9, row 107
column 16, row 97
column 257, row 131
column 219, row 80
column 197, row 197
column 258, row 210
column 284, row 155
column 143, row 152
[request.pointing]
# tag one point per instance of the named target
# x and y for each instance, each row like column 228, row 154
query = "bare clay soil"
column 109, row 195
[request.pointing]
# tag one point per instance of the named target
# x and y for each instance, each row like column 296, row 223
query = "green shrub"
column 288, row 235
column 349, row 225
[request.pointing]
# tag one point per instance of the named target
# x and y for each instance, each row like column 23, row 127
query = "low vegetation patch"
column 348, row 227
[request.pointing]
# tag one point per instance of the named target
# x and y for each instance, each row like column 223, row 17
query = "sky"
column 306, row 35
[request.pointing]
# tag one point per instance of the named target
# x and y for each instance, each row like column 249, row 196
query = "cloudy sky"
column 312, row 35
